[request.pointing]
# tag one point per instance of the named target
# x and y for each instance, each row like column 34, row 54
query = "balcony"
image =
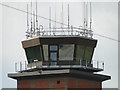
column 94, row 66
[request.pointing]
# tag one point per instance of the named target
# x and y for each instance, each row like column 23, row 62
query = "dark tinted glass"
column 33, row 53
column 88, row 53
column 80, row 52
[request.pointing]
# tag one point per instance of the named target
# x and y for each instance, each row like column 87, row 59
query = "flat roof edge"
column 66, row 72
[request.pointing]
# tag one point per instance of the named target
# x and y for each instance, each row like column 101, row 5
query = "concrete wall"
column 61, row 83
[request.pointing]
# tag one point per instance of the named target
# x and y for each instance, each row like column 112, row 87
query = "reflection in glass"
column 88, row 53
column 66, row 52
column 80, row 52
column 45, row 51
column 53, row 47
column 53, row 56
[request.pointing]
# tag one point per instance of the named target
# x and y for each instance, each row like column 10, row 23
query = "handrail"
column 60, row 32
column 20, row 66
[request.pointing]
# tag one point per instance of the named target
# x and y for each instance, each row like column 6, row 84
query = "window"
column 53, row 56
column 53, row 47
column 88, row 53
column 45, row 52
column 58, row 82
column 83, row 53
column 33, row 53
column 66, row 52
column 80, row 52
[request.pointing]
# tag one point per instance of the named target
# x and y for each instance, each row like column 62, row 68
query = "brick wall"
column 58, row 83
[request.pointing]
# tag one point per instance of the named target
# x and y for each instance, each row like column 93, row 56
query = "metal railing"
column 60, row 32
column 21, row 66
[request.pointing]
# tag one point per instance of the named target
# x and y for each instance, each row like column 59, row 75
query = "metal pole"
column 80, row 62
column 90, row 16
column 25, row 65
column 86, row 63
column 97, row 64
column 50, row 19
column 68, row 19
column 31, row 21
column 15, row 67
column 20, row 66
column 103, row 65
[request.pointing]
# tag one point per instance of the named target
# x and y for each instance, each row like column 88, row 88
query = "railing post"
column 20, row 66
column 15, row 67
column 86, row 63
column 103, row 65
column 31, row 64
column 97, row 64
column 80, row 62
column 25, row 65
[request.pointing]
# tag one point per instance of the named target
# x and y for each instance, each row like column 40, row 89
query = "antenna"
column 62, row 25
column 50, row 19
column 90, row 16
column 27, row 24
column 27, row 19
column 68, row 19
column 36, row 17
column 34, row 21
column 31, row 20
column 86, row 14
column 55, row 18
column 62, row 16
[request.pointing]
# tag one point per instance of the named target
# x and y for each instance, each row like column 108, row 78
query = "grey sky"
column 105, row 22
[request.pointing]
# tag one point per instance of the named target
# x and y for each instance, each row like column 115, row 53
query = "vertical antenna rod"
column 62, row 15
column 36, row 17
column 68, row 17
column 31, row 20
column 55, row 18
column 62, row 25
column 27, row 19
column 50, row 19
column 90, row 16
column 84, row 15
column 34, row 21
column 87, row 15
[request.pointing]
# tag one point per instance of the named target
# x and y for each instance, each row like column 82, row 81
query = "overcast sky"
column 105, row 22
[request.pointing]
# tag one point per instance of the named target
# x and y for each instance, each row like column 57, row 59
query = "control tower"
column 59, row 58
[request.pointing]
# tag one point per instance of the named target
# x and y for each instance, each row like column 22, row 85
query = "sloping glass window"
column 33, row 53
column 45, row 52
column 88, row 53
column 66, row 52
column 80, row 52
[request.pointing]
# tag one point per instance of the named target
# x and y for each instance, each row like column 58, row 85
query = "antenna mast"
column 68, row 19
column 50, row 19
column 55, row 18
column 87, row 15
column 36, row 17
column 27, row 20
column 84, row 15
column 90, row 16
column 31, row 20
column 62, row 16
column 34, row 21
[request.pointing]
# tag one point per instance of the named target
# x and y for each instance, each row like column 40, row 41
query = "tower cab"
column 58, row 51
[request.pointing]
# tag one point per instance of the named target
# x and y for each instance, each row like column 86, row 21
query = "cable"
column 55, row 21
column 106, row 37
